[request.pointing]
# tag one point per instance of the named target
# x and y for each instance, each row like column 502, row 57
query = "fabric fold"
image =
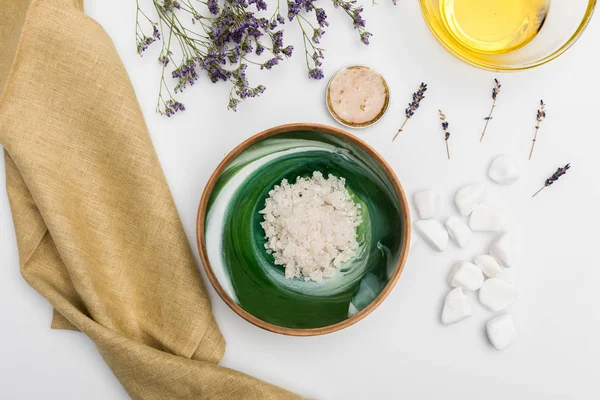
column 97, row 229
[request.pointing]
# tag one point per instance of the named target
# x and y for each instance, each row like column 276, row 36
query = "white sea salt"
column 310, row 226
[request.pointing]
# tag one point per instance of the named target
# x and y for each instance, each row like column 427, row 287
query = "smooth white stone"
column 459, row 231
column 456, row 307
column 488, row 265
column 501, row 331
column 506, row 275
column 465, row 275
column 468, row 197
column 501, row 250
column 486, row 218
column 414, row 239
column 427, row 203
column 497, row 295
column 433, row 232
column 503, row 170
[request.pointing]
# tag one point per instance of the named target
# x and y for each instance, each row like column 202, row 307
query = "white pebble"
column 414, row 239
column 459, row 231
column 501, row 331
column 497, row 295
column 433, row 232
column 500, row 250
column 465, row 275
column 468, row 197
column 506, row 275
column 456, row 307
column 488, row 265
column 427, row 203
column 503, row 170
column 486, row 218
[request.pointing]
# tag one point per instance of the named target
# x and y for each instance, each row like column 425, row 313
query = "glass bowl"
column 559, row 28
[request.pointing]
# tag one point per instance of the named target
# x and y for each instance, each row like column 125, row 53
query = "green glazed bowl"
column 231, row 240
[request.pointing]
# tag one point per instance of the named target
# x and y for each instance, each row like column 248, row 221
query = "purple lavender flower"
column 172, row 106
column 555, row 176
column 216, row 74
column 169, row 5
column 186, row 75
column 317, row 34
column 263, row 23
column 308, row 5
column 364, row 37
column 355, row 12
column 163, row 59
column 277, row 39
column 213, row 7
column 317, row 56
column 315, row 73
column 321, row 17
column 233, row 103
column 270, row 64
column 287, row 51
column 146, row 41
column 261, row 5
column 359, row 22
column 294, row 8
column 235, row 32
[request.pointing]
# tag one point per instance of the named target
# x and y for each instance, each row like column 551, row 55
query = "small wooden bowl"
column 395, row 255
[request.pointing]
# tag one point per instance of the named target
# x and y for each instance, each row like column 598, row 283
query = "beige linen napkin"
column 97, row 229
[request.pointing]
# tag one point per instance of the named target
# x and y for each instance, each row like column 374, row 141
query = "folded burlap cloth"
column 97, row 229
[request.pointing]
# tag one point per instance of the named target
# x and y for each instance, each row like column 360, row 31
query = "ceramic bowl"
column 231, row 240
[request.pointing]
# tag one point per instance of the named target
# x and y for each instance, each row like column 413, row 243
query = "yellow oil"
column 493, row 26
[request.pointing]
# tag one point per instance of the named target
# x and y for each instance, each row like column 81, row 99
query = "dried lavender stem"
column 555, row 176
column 412, row 106
column 447, row 150
column 534, row 139
column 400, row 130
column 487, row 121
column 535, row 194
column 541, row 114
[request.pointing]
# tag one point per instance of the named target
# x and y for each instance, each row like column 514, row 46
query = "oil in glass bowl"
column 493, row 26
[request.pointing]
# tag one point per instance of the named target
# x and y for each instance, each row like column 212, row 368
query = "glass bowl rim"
column 504, row 68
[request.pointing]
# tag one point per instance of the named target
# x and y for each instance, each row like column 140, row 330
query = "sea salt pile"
column 310, row 226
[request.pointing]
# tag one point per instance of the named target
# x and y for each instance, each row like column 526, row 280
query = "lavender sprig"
column 495, row 92
column 354, row 11
column 445, row 126
column 221, row 38
column 412, row 106
column 313, row 53
column 555, row 176
column 540, row 116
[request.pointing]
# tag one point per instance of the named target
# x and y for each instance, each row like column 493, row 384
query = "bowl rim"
column 497, row 68
column 200, row 220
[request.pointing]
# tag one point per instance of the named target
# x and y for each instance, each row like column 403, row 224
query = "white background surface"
column 401, row 350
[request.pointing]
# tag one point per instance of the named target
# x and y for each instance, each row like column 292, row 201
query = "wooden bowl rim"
column 202, row 244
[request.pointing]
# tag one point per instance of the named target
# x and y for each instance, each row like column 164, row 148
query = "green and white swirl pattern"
column 235, row 240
